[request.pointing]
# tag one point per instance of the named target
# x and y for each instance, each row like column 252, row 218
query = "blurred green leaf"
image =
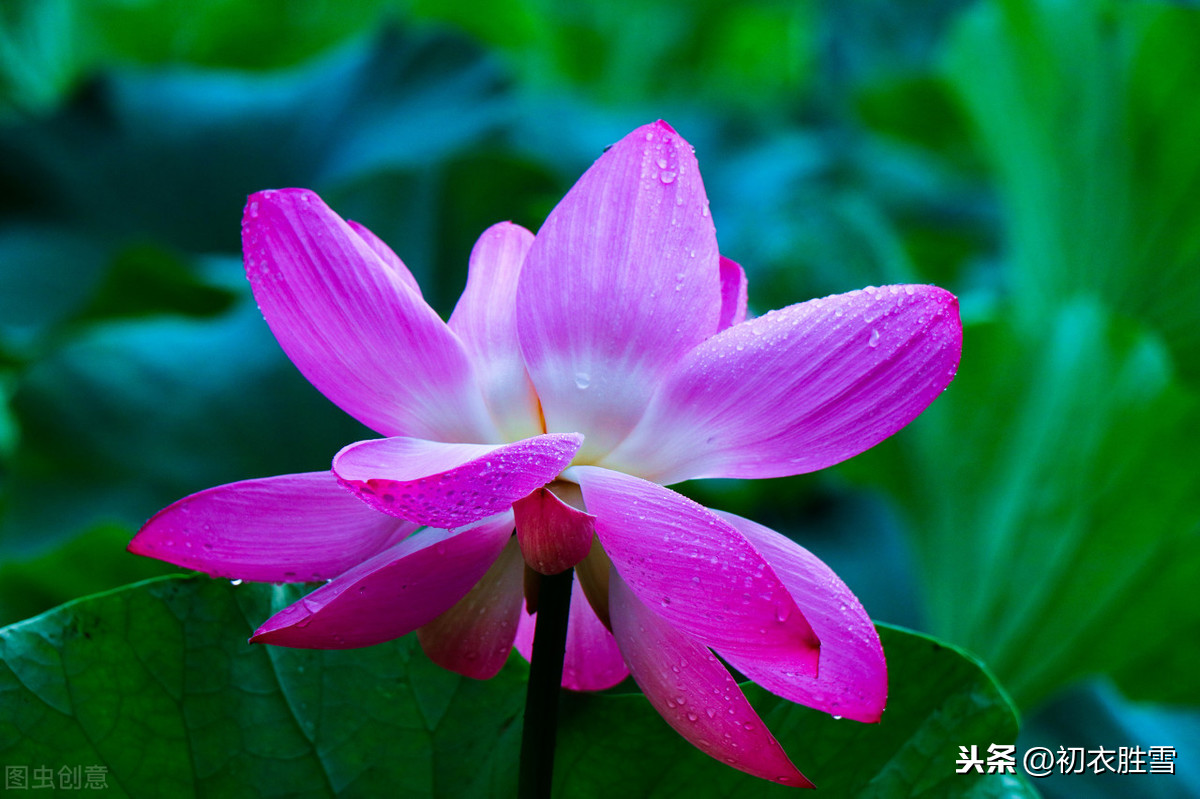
column 157, row 683
column 821, row 212
column 1054, row 506
column 755, row 55
column 91, row 562
column 47, row 46
column 1093, row 716
column 1086, row 112
column 169, row 156
column 917, row 108
column 131, row 415
column 145, row 280
column 48, row 274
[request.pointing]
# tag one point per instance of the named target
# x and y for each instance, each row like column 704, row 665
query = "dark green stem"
column 545, row 680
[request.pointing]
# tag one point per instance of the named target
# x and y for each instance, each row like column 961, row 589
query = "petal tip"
column 275, row 635
column 138, row 545
column 272, row 196
column 569, row 439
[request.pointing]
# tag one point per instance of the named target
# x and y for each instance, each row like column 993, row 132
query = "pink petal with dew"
column 393, row 593
column 474, row 637
column 853, row 676
column 697, row 571
column 290, row 528
column 621, row 281
column 449, row 485
column 694, row 693
column 486, row 321
column 592, row 662
column 352, row 324
column 389, row 258
column 735, row 294
column 799, row 389
column 553, row 535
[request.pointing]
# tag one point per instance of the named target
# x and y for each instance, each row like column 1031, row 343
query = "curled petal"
column 354, row 326
column 393, row 593
column 621, row 281
column 697, row 571
column 853, row 678
column 592, row 573
column 694, row 693
column 474, row 637
column 799, row 389
column 735, row 294
column 553, row 535
column 486, row 321
column 290, row 528
column 449, row 485
column 592, row 661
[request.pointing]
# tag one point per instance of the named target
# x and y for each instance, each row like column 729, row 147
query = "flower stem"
column 545, row 679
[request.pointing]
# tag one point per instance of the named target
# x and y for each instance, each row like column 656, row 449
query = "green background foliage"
column 1041, row 159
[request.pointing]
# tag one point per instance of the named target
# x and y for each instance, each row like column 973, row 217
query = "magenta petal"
column 486, row 321
column 799, row 389
column 353, row 326
column 697, row 571
column 553, row 535
column 385, row 254
column 593, row 661
column 621, row 281
column 294, row 527
column 735, row 294
column 449, row 485
column 853, row 675
column 393, row 593
column 474, row 637
column 694, row 693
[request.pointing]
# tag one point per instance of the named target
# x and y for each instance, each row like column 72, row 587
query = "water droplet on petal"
column 874, row 340
column 582, row 380
column 666, row 176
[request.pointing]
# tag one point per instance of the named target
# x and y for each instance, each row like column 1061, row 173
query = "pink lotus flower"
column 581, row 371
